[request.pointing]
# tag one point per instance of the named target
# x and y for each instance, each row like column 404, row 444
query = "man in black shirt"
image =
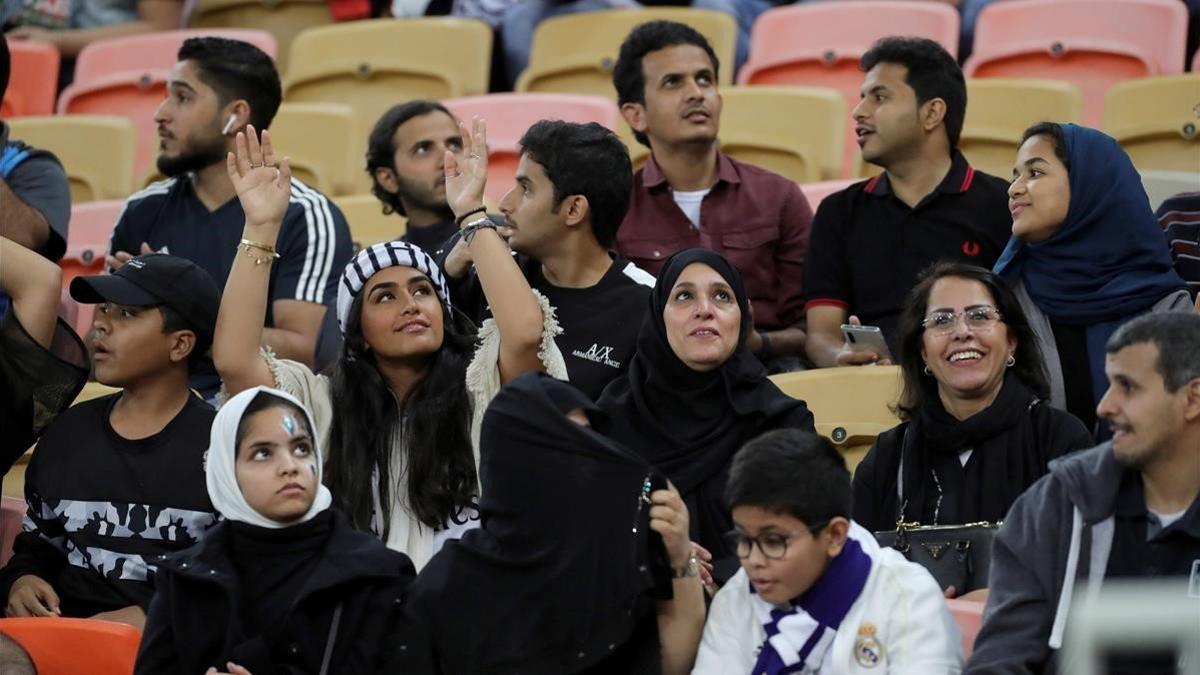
column 572, row 191
column 870, row 241
column 405, row 157
column 117, row 481
column 1127, row 508
column 216, row 89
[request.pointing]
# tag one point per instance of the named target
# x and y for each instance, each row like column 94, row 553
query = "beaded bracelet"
column 459, row 220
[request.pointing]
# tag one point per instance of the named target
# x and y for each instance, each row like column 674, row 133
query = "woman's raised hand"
column 263, row 183
column 466, row 177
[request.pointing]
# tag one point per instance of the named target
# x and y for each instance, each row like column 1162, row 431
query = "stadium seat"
column 127, row 76
column 320, row 139
column 1091, row 43
column 88, row 240
column 12, row 511
column 793, row 131
column 33, row 79
column 373, row 65
column 510, row 115
column 96, row 150
column 62, row 646
column 819, row 45
column 1162, row 185
column 575, row 53
column 1155, row 120
column 851, row 405
column 283, row 19
column 968, row 615
column 368, row 223
column 999, row 110
column 815, row 193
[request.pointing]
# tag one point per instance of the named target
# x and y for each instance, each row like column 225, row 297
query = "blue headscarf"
column 1107, row 262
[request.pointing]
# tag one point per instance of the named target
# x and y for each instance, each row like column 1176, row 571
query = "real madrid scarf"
column 799, row 640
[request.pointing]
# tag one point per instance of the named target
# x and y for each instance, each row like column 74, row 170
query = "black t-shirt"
column 102, row 508
column 314, row 246
column 431, row 238
column 1173, row 552
column 868, row 247
column 600, row 323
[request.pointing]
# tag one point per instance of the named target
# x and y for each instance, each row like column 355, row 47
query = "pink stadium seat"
column 969, row 617
column 509, row 115
column 88, row 238
column 127, row 76
column 819, row 45
column 12, row 511
column 61, row 646
column 33, row 79
column 815, row 193
column 1093, row 44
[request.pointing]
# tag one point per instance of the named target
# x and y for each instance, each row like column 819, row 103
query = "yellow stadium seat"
column 851, row 405
column 575, row 53
column 284, row 19
column 368, row 223
column 1155, row 120
column 96, row 150
column 319, row 139
column 374, row 65
column 1000, row 109
column 793, row 131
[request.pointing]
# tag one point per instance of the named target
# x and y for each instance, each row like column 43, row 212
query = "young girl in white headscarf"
column 283, row 584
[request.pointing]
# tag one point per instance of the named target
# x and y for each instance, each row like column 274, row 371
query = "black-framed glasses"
column 773, row 545
column 981, row 317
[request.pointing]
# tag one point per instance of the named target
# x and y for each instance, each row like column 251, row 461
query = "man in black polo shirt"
column 216, row 89
column 405, row 156
column 870, row 241
column 1128, row 508
column 572, row 191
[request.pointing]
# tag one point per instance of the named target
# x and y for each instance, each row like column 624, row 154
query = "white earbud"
column 229, row 124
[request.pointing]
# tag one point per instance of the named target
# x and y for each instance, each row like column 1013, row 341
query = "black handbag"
column 956, row 555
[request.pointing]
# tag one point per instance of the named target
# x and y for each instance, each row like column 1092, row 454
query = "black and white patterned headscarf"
column 379, row 257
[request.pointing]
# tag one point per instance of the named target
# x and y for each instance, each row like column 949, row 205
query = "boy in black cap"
column 118, row 481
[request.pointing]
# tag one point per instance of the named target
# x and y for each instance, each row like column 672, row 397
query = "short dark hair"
column 792, row 472
column 628, row 76
column 1177, row 337
column 237, row 70
column 584, row 159
column 918, row 388
column 1058, row 139
column 381, row 146
column 932, row 73
column 5, row 67
column 173, row 321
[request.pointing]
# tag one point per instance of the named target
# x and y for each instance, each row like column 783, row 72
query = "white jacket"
column 900, row 618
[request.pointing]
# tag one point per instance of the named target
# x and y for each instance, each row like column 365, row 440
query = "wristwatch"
column 690, row 569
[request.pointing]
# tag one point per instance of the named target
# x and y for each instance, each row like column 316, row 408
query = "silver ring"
column 473, row 156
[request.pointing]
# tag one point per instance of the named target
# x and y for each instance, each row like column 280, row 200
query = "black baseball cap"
column 157, row 279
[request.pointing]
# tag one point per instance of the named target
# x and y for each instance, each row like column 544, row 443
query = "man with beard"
column 216, row 89
column 405, row 156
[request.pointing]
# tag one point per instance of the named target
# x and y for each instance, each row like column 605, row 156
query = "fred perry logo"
column 970, row 248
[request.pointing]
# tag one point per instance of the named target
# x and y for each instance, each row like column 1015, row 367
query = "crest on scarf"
column 867, row 650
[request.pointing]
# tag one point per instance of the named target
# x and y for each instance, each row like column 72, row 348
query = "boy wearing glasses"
column 816, row 594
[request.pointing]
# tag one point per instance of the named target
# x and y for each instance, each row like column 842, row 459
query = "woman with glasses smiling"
column 977, row 430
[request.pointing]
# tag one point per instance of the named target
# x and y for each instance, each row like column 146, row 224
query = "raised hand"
column 263, row 186
column 466, row 179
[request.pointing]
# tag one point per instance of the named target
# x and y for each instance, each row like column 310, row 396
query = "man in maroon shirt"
column 689, row 194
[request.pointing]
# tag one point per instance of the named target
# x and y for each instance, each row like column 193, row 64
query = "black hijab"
column 689, row 424
column 562, row 573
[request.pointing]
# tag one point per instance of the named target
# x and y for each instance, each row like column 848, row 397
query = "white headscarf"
column 220, row 466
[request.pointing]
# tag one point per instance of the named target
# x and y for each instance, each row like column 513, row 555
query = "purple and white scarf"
column 799, row 640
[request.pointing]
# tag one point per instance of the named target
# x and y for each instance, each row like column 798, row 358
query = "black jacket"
column 194, row 622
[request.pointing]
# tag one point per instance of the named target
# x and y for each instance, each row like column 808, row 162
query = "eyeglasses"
column 979, row 318
column 774, row 545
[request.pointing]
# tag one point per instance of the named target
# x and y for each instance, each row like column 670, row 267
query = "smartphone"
column 866, row 339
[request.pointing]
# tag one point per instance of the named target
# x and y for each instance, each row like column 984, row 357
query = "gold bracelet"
column 260, row 246
column 258, row 259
